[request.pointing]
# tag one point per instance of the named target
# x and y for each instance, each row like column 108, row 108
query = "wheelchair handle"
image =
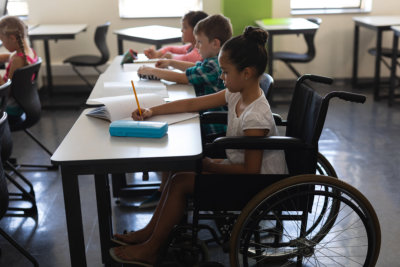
column 352, row 97
column 315, row 78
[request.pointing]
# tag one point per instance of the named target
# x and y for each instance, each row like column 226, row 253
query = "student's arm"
column 184, row 105
column 4, row 57
column 169, row 75
column 176, row 64
column 17, row 62
column 252, row 159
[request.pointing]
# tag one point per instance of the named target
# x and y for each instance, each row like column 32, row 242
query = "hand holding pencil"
column 139, row 113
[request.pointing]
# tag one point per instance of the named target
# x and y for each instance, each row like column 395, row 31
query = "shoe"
column 152, row 201
column 139, row 263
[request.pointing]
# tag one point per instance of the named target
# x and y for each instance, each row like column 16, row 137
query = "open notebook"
column 121, row 108
column 142, row 86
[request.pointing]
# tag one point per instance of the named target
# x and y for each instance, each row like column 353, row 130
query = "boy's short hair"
column 215, row 27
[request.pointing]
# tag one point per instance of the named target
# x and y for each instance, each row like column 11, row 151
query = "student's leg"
column 169, row 212
column 153, row 200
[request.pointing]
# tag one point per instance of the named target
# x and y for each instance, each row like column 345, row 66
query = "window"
column 329, row 6
column 157, row 8
column 17, row 8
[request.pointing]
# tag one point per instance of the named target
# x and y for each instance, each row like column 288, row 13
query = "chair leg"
column 49, row 167
column 38, row 142
column 82, row 77
column 293, row 69
column 23, row 196
column 22, row 250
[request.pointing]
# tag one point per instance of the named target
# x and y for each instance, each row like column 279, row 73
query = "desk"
column 55, row 32
column 396, row 35
column 279, row 26
column 100, row 154
column 378, row 24
column 154, row 34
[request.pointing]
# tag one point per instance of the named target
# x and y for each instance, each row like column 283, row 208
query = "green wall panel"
column 244, row 12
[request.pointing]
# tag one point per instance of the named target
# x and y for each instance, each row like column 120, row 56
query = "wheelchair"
column 307, row 217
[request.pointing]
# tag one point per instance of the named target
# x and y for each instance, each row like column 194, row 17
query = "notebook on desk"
column 121, row 107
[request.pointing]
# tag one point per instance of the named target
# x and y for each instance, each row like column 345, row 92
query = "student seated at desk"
column 210, row 33
column 14, row 35
column 187, row 52
column 243, row 60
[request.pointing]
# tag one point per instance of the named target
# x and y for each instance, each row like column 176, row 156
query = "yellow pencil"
column 137, row 100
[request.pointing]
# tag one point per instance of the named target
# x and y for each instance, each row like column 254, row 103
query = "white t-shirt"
column 257, row 115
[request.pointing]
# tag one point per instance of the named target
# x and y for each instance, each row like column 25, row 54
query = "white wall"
column 91, row 12
column 334, row 40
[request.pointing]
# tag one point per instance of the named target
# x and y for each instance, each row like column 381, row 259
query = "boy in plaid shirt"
column 210, row 33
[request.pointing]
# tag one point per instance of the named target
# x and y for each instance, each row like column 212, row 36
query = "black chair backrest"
column 25, row 93
column 4, row 91
column 309, row 38
column 101, row 42
column 3, row 184
column 305, row 121
column 266, row 83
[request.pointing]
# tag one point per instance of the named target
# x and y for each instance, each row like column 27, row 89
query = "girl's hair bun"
column 256, row 34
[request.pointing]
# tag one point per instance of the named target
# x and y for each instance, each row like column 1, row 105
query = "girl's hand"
column 163, row 63
column 145, row 70
column 167, row 55
column 146, row 113
column 151, row 53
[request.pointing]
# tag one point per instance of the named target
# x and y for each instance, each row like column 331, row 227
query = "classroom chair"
column 387, row 53
column 27, row 196
column 4, row 199
column 291, row 57
column 25, row 92
column 92, row 60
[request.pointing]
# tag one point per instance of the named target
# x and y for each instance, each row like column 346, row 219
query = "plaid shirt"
column 204, row 77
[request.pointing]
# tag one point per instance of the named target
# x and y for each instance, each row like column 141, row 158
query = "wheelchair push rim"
column 350, row 237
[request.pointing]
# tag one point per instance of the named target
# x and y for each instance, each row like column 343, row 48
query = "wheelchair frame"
column 294, row 219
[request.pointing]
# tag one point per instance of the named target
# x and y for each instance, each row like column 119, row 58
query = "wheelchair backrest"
column 305, row 121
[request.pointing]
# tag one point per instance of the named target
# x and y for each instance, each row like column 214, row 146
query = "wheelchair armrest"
column 220, row 117
column 257, row 142
column 278, row 120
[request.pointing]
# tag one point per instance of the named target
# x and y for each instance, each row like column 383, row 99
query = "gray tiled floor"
column 361, row 142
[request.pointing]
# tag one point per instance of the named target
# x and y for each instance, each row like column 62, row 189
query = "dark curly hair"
column 248, row 49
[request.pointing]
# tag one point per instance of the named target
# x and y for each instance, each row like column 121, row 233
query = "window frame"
column 124, row 15
column 364, row 7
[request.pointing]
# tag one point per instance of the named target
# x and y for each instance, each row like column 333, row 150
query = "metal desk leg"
column 378, row 64
column 104, row 214
column 355, row 55
column 120, row 46
column 393, row 69
column 48, row 66
column 73, row 216
column 270, row 64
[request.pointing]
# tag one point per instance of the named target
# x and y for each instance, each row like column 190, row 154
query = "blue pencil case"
column 150, row 129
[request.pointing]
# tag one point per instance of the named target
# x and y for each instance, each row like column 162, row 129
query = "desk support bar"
column 355, row 55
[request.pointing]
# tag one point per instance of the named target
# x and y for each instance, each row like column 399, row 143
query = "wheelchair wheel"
column 324, row 167
column 273, row 227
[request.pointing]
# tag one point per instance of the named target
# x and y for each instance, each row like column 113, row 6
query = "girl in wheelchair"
column 243, row 59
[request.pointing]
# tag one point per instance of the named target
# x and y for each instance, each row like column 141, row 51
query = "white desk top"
column 116, row 72
column 278, row 24
column 396, row 29
column 378, row 21
column 153, row 32
column 89, row 140
column 57, row 29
